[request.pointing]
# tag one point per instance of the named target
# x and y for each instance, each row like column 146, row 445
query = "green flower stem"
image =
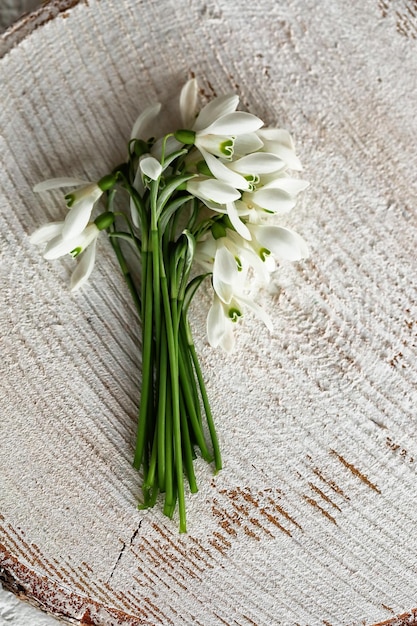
column 126, row 274
column 154, row 245
column 174, row 400
column 188, row 373
column 190, row 408
column 147, row 360
column 187, row 448
column 149, row 479
column 171, row 325
column 169, row 504
column 210, row 422
column 162, row 409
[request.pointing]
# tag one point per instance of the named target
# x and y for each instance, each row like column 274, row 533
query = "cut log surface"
column 313, row 519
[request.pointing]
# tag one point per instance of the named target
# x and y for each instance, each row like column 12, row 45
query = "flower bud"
column 185, row 136
column 218, row 230
column 107, row 182
column 203, row 168
column 140, row 147
column 104, row 220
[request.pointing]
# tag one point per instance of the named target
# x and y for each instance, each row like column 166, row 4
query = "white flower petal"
column 242, row 208
column 223, row 290
column 85, row 266
column 237, row 223
column 46, row 233
column 234, row 124
column 134, row 214
column 188, row 102
column 258, row 163
column 247, row 143
column 150, row 167
column 77, row 218
column 285, row 244
column 58, row 247
column 216, row 323
column 140, row 129
column 258, row 311
column 228, row 340
column 217, row 145
column 222, row 172
column 225, row 266
column 279, row 142
column 287, row 155
column 207, row 247
column 261, row 268
column 90, row 192
column 56, row 183
column 213, row 190
column 275, row 200
column 277, row 135
column 138, row 182
column 222, row 105
column 293, row 186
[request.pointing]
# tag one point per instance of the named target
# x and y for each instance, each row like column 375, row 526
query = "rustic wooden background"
column 12, row 10
column 313, row 520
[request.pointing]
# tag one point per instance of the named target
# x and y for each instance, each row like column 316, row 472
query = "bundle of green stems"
column 174, row 419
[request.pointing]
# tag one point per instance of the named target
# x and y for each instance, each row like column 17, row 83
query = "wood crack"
column 123, row 548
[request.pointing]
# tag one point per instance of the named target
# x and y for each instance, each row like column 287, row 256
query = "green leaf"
column 169, row 211
column 191, row 290
column 169, row 189
column 171, row 157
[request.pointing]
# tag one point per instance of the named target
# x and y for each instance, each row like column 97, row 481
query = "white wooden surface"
column 16, row 612
column 313, row 519
column 12, row 10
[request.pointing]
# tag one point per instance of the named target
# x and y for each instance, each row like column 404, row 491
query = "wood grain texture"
column 12, row 10
column 313, row 519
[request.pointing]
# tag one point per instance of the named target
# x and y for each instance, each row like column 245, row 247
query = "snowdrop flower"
column 272, row 191
column 188, row 103
column 230, row 301
column 217, row 125
column 222, row 318
column 141, row 130
column 248, row 168
column 277, row 196
column 223, row 260
column 279, row 142
column 150, row 167
column 81, row 201
column 85, row 242
column 229, row 259
column 211, row 191
column 284, row 244
column 141, row 127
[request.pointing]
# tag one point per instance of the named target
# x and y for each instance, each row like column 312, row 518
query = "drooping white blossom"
column 278, row 141
column 223, row 317
column 141, row 129
column 218, row 124
column 150, row 167
column 189, row 103
column 57, row 246
column 241, row 171
column 81, row 202
column 212, row 191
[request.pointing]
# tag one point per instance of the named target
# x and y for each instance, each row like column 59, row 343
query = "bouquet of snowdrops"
column 200, row 203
